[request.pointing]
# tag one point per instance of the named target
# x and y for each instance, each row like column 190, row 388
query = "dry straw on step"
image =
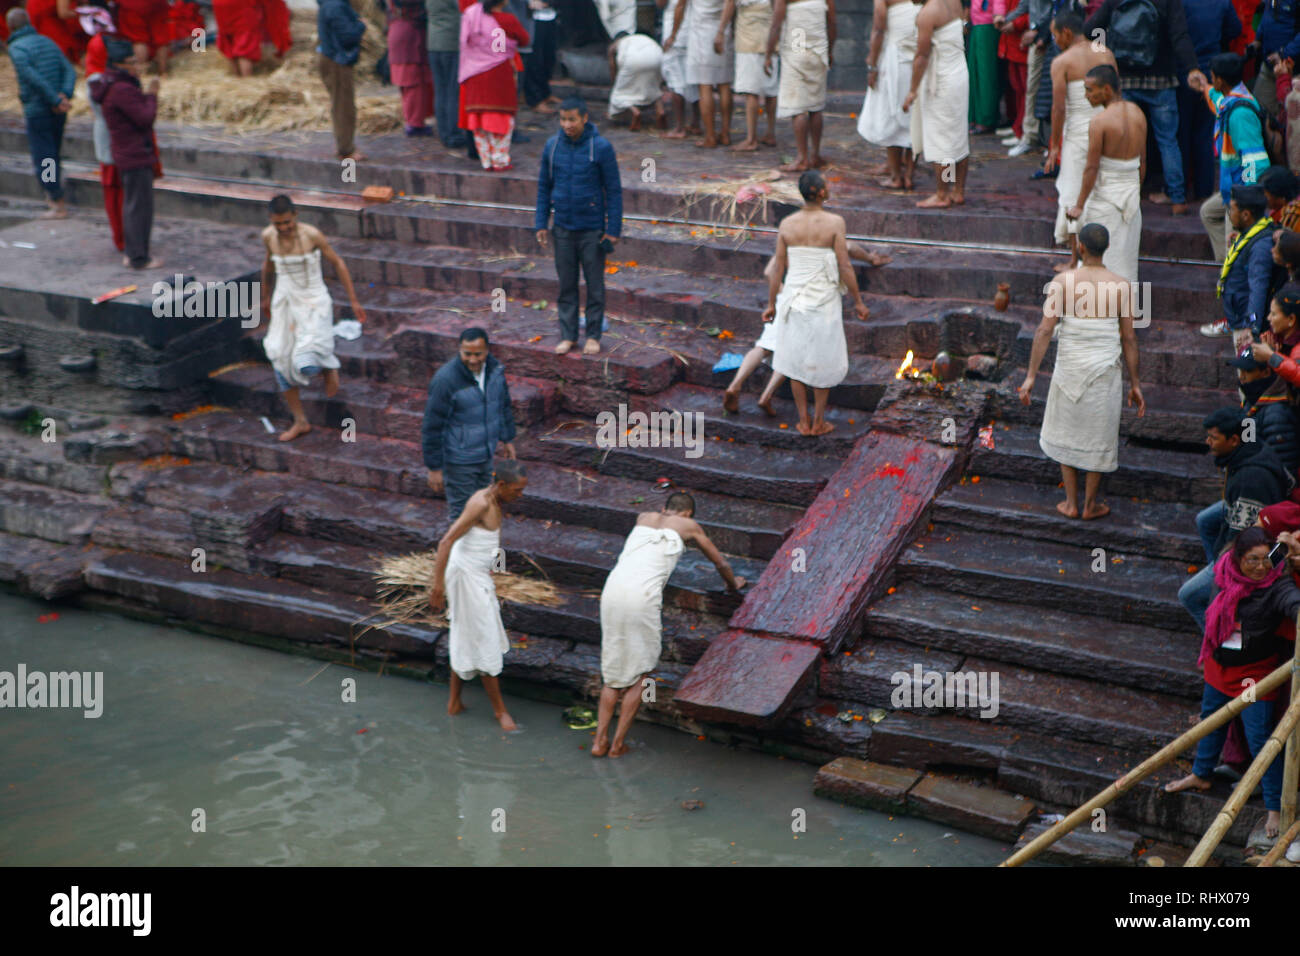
column 740, row 202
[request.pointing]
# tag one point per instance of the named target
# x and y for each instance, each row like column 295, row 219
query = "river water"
column 285, row 772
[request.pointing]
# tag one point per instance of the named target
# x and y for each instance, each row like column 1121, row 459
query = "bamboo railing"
column 1279, row 848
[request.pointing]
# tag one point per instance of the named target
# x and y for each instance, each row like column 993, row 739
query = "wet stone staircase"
column 960, row 564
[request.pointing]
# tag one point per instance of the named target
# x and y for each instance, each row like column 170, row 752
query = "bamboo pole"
column 1246, row 786
column 1291, row 774
column 1279, row 848
column 1146, row 768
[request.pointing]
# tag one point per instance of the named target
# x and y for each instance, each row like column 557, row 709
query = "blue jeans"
column 1161, row 109
column 45, row 140
column 1196, row 593
column 446, row 97
column 1208, row 523
column 1257, row 719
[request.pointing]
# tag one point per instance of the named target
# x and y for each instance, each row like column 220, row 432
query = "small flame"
column 906, row 366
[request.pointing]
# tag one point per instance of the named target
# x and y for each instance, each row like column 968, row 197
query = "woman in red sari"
column 57, row 19
column 489, row 42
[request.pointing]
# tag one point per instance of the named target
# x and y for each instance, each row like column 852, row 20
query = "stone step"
column 43, row 569
column 1140, row 590
column 1158, row 529
column 65, row 517
column 1045, row 639
column 1144, row 473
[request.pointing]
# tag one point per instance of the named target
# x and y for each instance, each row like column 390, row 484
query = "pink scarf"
column 483, row 43
column 1222, row 612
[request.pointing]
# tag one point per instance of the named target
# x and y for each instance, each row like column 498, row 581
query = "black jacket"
column 1275, row 422
column 1176, row 55
column 462, row 422
column 1259, row 614
column 1255, row 479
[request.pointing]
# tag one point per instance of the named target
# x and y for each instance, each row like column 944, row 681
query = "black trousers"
column 575, row 249
column 540, row 64
column 137, row 214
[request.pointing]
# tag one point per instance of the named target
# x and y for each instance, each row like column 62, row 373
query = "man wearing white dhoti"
column 937, row 100
column 757, row 82
column 300, row 338
column 635, row 63
column 709, row 65
column 811, row 272
column 1071, row 113
column 674, row 71
column 805, row 30
column 1110, row 193
column 1080, row 430
column 462, row 581
column 631, row 605
column 882, row 121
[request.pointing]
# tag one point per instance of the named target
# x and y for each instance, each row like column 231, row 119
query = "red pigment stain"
column 913, row 457
column 787, row 656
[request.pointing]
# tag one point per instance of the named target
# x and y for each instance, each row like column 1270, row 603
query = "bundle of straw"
column 740, row 201
column 404, row 590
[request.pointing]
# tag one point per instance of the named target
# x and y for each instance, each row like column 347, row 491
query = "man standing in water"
column 941, row 81
column 631, row 604
column 812, row 258
column 1081, row 424
column 300, row 339
column 462, row 580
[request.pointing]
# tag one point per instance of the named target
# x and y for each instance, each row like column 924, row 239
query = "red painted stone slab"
column 746, row 680
column 850, row 537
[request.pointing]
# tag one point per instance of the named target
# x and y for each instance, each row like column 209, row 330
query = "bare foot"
column 507, row 722
column 730, row 401
column 958, row 199
column 618, row 749
column 804, row 429
column 454, row 707
column 798, row 166
column 591, row 347
column 635, row 125
column 767, row 141
column 725, row 137
column 126, row 261
column 709, row 142
column 296, row 429
column 767, row 408
column 331, row 382
column 564, row 347
column 748, row 146
column 599, row 747
column 675, row 134
column 1273, row 824
column 819, row 163
column 890, row 182
column 1097, row 511
column 822, row 428
column 54, row 212
column 934, row 202
column 1067, row 509
column 354, row 156
column 1189, row 782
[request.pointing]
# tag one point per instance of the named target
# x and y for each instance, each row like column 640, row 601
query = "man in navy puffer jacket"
column 579, row 181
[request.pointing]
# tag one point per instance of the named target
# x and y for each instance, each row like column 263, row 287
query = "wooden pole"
column 1246, row 786
column 1146, row 768
column 1279, row 848
column 1291, row 774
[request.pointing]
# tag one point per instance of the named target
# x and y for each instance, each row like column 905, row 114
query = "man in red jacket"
column 129, row 113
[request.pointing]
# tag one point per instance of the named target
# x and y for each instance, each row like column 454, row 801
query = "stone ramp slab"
column 747, row 680
column 1085, row 847
column 42, row 568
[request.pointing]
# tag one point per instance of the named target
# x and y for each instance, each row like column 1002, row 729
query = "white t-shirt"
column 480, row 377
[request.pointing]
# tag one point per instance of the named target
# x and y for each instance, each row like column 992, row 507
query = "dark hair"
column 1067, row 19
column 1105, row 74
column 810, row 183
column 473, row 334
column 680, row 501
column 280, row 204
column 574, row 103
column 1229, row 67
column 1252, row 537
column 1280, row 182
column 1095, row 238
column 1288, row 249
column 1288, row 297
column 117, row 50
column 509, row 471
column 1250, row 198
column 1228, row 421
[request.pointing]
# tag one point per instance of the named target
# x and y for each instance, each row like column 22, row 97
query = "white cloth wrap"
column 805, row 59
column 703, row 66
column 939, row 112
column 640, row 64
column 810, row 344
column 674, row 62
column 617, row 16
column 301, row 331
column 750, row 77
column 631, row 603
column 476, row 636
column 1081, row 422
column 1116, row 203
column 1074, row 154
column 882, row 120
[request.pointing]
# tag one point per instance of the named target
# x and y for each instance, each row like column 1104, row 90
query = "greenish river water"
column 286, row 772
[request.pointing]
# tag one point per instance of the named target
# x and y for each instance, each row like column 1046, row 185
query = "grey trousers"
column 461, row 481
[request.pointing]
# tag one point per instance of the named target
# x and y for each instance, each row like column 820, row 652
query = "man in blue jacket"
column 339, row 30
column 579, row 181
column 1249, row 275
column 46, row 81
column 1276, row 38
column 467, row 413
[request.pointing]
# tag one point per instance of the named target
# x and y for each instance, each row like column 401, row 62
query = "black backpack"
column 1134, row 34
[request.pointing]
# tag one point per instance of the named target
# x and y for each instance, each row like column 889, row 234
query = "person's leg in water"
column 604, row 716
column 631, row 702
column 492, row 686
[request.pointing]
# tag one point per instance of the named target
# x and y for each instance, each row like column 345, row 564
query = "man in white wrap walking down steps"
column 811, row 271
column 631, row 605
column 462, row 580
column 882, row 121
column 1111, row 191
column 1081, row 423
column 939, row 91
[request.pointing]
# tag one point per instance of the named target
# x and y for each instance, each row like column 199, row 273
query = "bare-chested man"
column 1094, row 307
column 631, row 604
column 809, row 347
column 805, row 30
column 300, row 339
column 1071, row 113
column 462, row 581
column 940, row 90
column 1110, row 193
